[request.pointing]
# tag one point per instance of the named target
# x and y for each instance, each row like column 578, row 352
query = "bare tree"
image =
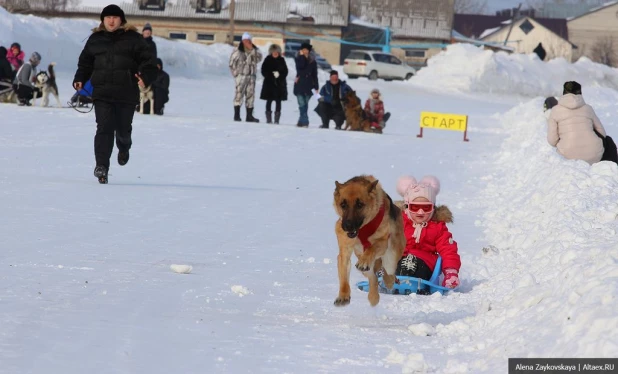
column 15, row 6
column 471, row 6
column 603, row 51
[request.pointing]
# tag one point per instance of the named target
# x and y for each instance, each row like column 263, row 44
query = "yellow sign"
column 443, row 121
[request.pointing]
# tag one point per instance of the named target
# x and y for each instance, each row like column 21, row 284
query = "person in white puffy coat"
column 571, row 127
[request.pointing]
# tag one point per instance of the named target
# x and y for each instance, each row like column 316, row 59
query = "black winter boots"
column 277, row 117
column 100, row 172
column 237, row 113
column 250, row 117
column 269, row 117
column 123, row 157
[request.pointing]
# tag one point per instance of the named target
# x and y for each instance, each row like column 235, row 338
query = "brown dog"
column 369, row 225
column 354, row 119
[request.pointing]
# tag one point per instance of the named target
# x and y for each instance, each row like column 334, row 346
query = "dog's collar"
column 370, row 228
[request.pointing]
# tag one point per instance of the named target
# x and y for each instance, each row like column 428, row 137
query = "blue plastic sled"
column 410, row 285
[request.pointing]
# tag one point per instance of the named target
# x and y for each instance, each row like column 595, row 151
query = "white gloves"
column 276, row 74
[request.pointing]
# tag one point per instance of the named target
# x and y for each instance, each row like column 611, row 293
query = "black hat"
column 113, row 10
column 572, row 87
column 334, row 72
column 306, row 46
column 147, row 27
column 16, row 45
column 160, row 62
column 549, row 103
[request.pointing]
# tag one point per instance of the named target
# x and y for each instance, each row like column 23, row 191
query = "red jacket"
column 378, row 110
column 435, row 240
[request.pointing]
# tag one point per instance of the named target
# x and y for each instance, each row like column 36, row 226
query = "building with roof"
column 524, row 36
column 419, row 29
column 596, row 33
column 205, row 21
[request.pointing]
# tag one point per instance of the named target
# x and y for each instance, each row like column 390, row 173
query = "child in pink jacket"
column 15, row 56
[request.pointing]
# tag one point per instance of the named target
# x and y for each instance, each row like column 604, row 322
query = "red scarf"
column 370, row 228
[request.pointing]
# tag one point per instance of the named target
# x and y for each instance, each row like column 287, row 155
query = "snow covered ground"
column 87, row 285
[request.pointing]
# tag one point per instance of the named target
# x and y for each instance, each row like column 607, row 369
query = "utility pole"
column 515, row 16
column 230, row 35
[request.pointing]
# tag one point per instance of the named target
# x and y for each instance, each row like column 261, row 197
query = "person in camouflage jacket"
column 243, row 66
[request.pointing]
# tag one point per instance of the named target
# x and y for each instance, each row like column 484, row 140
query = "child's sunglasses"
column 415, row 207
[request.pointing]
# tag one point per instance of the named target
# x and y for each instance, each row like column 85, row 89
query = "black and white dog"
column 146, row 94
column 46, row 82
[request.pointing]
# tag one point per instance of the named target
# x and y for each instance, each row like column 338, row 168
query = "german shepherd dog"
column 146, row 94
column 45, row 81
column 369, row 225
column 354, row 114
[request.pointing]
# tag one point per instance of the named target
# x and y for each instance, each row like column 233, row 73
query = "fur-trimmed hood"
column 125, row 27
column 441, row 214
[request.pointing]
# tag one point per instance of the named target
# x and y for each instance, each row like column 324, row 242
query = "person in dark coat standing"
column 117, row 60
column 540, row 51
column 274, row 88
column 147, row 34
column 161, row 88
column 306, row 81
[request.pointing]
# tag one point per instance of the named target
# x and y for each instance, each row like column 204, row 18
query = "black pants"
column 269, row 105
column 329, row 112
column 412, row 266
column 112, row 118
column 26, row 93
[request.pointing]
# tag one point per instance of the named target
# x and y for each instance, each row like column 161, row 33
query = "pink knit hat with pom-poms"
column 410, row 189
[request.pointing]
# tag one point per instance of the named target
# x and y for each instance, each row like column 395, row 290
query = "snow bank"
column 552, row 224
column 61, row 40
column 466, row 68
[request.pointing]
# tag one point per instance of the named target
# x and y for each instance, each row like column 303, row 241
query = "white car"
column 375, row 64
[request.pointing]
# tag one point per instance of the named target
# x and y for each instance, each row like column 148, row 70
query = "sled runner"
column 410, row 285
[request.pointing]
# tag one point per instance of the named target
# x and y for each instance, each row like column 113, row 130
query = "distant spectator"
column 147, row 34
column 15, row 56
column 549, row 103
column 331, row 101
column 24, row 80
column 243, row 66
column 6, row 72
column 161, row 88
column 274, row 88
column 374, row 110
column 6, row 75
column 305, row 82
column 572, row 124
column 540, row 51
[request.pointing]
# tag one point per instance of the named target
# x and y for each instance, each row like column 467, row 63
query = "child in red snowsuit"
column 374, row 110
column 427, row 236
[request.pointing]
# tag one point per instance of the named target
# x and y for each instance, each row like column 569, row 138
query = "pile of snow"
column 467, row 68
column 552, row 226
